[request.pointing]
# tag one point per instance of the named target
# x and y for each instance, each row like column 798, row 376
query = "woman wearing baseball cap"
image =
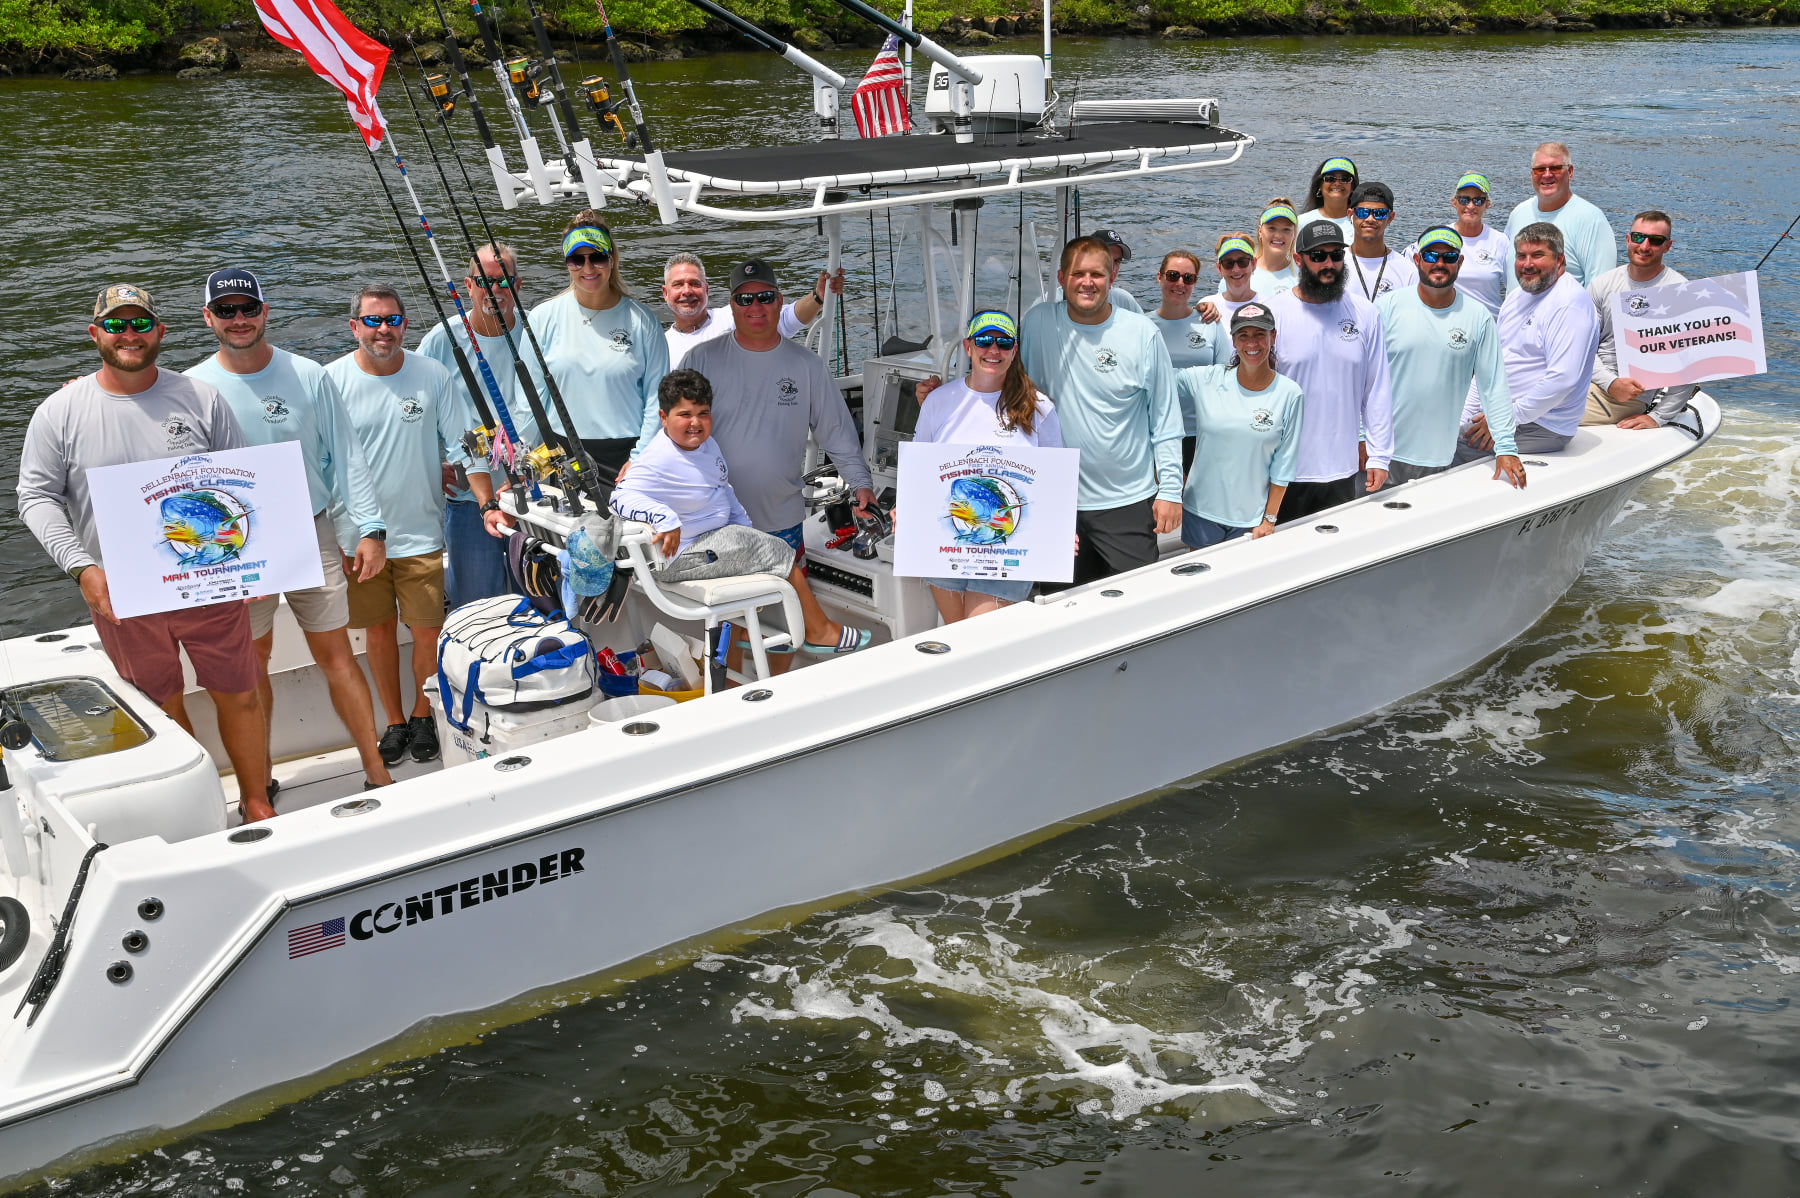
column 996, row 404
column 1247, row 420
column 1485, row 251
column 1329, row 195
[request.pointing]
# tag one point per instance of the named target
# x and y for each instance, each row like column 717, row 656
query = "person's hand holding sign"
column 93, row 589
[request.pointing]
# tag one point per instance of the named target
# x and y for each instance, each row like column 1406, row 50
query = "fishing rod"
column 1784, row 236
column 483, row 435
column 582, row 471
column 653, row 159
column 534, row 160
column 963, row 77
column 827, row 83
column 579, row 160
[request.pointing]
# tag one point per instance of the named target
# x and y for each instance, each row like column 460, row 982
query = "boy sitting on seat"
column 680, row 487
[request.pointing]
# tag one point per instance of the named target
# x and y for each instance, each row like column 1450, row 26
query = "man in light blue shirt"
column 1109, row 375
column 409, row 423
column 1589, row 246
column 1437, row 341
column 279, row 396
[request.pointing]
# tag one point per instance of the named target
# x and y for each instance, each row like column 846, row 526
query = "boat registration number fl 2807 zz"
column 446, row 900
column 1545, row 519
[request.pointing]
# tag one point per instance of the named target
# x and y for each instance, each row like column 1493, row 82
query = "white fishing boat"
column 171, row 971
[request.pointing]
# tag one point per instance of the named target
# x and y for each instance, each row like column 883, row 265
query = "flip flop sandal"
column 849, row 641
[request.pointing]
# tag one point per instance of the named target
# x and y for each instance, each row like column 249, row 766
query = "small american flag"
column 879, row 102
column 316, row 938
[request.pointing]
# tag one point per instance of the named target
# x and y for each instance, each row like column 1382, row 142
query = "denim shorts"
column 1011, row 590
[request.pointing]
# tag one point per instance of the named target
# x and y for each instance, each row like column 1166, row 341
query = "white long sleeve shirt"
column 1337, row 355
column 1549, row 341
column 669, row 486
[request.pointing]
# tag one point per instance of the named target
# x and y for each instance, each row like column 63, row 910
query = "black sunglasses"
column 1472, row 201
column 1652, row 238
column 1180, row 276
column 1325, row 255
column 746, row 299
column 1236, row 262
column 118, row 324
column 997, row 339
column 598, row 258
column 393, row 320
column 226, row 311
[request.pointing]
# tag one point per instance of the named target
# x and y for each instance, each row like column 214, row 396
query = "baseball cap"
column 1474, row 179
column 1440, row 235
column 124, row 295
column 753, row 271
column 1318, row 234
column 591, row 236
column 231, row 281
column 992, row 321
column 1253, row 315
column 1373, row 191
column 1110, row 240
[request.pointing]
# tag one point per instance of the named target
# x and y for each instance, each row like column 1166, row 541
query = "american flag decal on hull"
column 316, row 938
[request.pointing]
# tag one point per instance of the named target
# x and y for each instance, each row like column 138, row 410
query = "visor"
column 1440, row 236
column 1278, row 212
column 993, row 322
column 587, row 235
column 1235, row 245
column 1338, row 164
column 1474, row 179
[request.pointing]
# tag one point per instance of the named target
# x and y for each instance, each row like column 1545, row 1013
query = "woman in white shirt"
column 1275, row 270
column 1329, row 195
column 995, row 405
column 1485, row 251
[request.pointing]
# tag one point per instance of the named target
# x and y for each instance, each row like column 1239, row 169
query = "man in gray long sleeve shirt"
column 130, row 411
column 1614, row 398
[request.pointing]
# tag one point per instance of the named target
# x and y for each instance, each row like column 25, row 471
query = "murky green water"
column 1531, row 932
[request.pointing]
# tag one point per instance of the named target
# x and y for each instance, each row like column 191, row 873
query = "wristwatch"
column 1268, row 518
column 492, row 505
column 379, row 534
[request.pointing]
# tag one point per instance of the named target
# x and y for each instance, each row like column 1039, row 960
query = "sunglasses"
column 118, row 324
column 1373, row 213
column 233, row 311
column 1324, row 255
column 1441, row 255
column 504, row 283
column 999, row 340
column 748, row 299
column 1180, row 276
column 1236, row 262
column 1336, row 177
column 1652, row 238
column 598, row 258
column 393, row 320
column 1472, row 201
column 1549, row 170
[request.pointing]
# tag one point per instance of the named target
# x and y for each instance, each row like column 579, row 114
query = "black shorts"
column 1306, row 499
column 609, row 454
column 1114, row 540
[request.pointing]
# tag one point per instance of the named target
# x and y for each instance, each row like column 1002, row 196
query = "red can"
column 610, row 663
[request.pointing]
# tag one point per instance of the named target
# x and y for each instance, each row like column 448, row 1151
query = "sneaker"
column 394, row 741
column 423, row 730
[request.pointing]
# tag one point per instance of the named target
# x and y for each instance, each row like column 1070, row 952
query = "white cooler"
column 495, row 733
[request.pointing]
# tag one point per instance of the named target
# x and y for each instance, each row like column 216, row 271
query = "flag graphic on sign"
column 340, row 53
column 879, row 102
column 1692, row 332
column 316, row 938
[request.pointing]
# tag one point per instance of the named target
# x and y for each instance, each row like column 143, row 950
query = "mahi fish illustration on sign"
column 205, row 527
column 983, row 510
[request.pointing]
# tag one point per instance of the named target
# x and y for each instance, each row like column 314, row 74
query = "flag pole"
column 906, row 19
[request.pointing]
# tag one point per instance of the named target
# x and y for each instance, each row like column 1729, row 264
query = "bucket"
column 628, row 707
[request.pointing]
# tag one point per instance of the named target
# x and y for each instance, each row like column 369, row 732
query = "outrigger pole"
column 827, row 83
column 963, row 76
column 653, row 159
column 582, row 472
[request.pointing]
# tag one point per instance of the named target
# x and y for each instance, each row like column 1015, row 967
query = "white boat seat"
column 714, row 601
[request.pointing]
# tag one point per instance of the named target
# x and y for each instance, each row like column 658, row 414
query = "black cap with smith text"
column 232, row 281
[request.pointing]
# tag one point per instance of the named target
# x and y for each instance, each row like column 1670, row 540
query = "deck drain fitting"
column 1112, row 594
column 1325, row 527
column 150, row 909
column 758, row 695
column 640, row 728
column 507, row 765
column 119, row 972
column 135, row 942
column 249, row 835
column 932, row 647
column 74, row 648
column 50, row 638
column 1397, row 505
column 1189, row 569
column 352, row 807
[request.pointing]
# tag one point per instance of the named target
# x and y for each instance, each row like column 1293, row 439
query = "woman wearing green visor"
column 1329, row 194
column 605, row 350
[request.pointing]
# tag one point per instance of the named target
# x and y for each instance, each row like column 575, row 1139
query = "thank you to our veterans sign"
column 986, row 511
column 1690, row 332
column 184, row 532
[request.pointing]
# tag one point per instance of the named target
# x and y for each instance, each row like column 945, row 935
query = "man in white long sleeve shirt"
column 1613, row 398
column 1590, row 246
column 681, row 487
column 1548, row 332
column 1330, row 342
column 686, row 292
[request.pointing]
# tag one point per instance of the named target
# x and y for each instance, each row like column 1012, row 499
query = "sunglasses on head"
column 1235, row 262
column 226, row 311
column 598, row 258
column 1180, row 276
column 393, row 320
column 1373, row 213
column 998, row 340
column 1472, row 201
column 748, row 299
column 1325, row 255
column 118, row 324
column 1441, row 255
column 1653, row 238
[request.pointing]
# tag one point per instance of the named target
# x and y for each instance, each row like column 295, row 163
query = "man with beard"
column 1378, row 270
column 129, row 410
column 1108, row 372
column 1438, row 341
column 279, row 396
column 410, row 423
column 1331, row 344
column 686, row 292
column 1549, row 332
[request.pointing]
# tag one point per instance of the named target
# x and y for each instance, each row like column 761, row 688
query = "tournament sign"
column 205, row 528
column 986, row 511
column 1690, row 332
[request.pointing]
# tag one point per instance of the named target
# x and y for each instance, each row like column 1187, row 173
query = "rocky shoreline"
column 242, row 45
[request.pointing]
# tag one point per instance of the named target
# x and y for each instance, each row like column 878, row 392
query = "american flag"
column 1692, row 332
column 316, row 938
column 340, row 53
column 879, row 102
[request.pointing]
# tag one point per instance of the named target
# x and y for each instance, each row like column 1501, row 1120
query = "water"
column 1533, row 930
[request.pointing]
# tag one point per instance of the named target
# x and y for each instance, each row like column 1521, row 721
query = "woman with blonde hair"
column 1275, row 271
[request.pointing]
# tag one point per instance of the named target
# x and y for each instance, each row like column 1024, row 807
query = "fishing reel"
column 524, row 74
column 437, row 91
column 599, row 98
column 545, row 463
column 478, row 443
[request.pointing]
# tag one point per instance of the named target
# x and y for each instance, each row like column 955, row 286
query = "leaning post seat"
column 713, row 600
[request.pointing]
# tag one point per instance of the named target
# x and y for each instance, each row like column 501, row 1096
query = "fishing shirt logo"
column 275, row 410
column 1347, row 330
column 180, row 435
column 1262, row 420
column 787, row 392
column 620, row 341
column 1459, row 339
column 412, row 410
column 1196, row 339
column 1637, row 303
column 1105, row 360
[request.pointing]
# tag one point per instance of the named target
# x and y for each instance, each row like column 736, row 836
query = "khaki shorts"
column 1604, row 409
column 316, row 609
column 411, row 586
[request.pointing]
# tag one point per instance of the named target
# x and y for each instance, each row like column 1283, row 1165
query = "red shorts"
column 147, row 649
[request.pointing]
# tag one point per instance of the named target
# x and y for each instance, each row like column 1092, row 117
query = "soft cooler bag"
column 504, row 653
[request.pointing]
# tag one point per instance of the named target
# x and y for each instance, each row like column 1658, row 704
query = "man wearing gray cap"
column 131, row 411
